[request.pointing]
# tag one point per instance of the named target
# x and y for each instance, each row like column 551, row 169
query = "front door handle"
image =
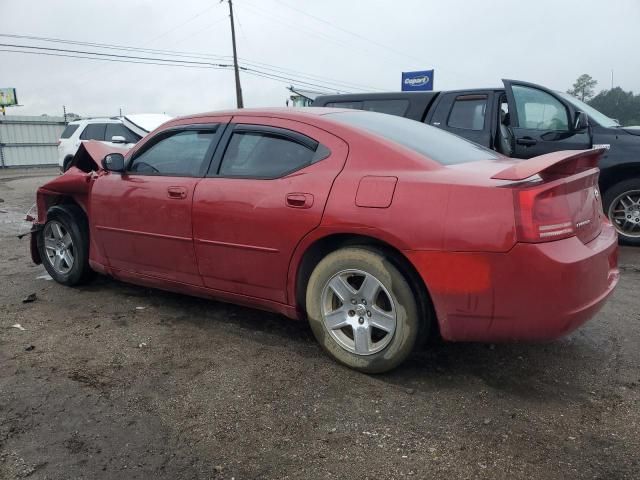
column 299, row 200
column 177, row 193
column 526, row 141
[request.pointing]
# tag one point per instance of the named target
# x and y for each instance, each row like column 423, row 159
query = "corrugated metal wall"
column 28, row 141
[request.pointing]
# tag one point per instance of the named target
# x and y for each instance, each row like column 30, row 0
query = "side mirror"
column 582, row 121
column 118, row 139
column 114, row 162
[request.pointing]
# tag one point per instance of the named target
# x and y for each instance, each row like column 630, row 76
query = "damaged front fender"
column 90, row 154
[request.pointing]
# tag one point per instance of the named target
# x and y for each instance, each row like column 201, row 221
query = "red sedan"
column 377, row 229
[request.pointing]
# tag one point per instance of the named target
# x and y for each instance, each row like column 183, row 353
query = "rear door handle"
column 526, row 141
column 177, row 193
column 299, row 200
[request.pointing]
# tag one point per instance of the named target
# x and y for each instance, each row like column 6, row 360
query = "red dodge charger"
column 378, row 230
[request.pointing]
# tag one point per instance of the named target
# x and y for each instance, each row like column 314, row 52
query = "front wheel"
column 63, row 244
column 362, row 310
column 622, row 205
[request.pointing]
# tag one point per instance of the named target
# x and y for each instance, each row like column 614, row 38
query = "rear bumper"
column 534, row 292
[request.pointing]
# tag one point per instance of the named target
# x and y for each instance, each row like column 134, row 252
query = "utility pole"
column 239, row 101
column 612, row 79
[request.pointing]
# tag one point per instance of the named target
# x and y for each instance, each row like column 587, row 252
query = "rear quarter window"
column 67, row 132
column 93, row 131
column 434, row 143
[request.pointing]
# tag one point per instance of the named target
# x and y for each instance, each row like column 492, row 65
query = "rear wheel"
column 622, row 205
column 63, row 244
column 362, row 310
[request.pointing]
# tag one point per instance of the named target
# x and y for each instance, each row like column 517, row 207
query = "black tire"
column 74, row 221
column 631, row 186
column 394, row 283
column 66, row 163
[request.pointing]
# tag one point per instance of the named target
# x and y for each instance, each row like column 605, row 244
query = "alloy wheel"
column 624, row 213
column 59, row 247
column 358, row 312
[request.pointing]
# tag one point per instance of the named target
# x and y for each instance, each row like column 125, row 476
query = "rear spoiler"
column 565, row 162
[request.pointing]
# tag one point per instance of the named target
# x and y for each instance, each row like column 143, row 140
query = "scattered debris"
column 410, row 391
column 30, row 348
column 18, row 326
column 140, row 308
column 44, row 276
column 30, row 298
column 218, row 468
column 142, row 345
column 97, row 326
column 487, row 421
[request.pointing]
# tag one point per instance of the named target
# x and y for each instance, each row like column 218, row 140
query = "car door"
column 142, row 217
column 266, row 189
column 465, row 114
column 541, row 121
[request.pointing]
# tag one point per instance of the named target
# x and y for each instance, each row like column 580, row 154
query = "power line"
column 195, row 55
column 117, row 47
column 157, row 61
column 84, row 52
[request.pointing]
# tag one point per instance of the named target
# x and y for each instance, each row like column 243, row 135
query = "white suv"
column 117, row 131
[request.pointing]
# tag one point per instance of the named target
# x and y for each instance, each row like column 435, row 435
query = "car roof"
column 280, row 112
column 95, row 120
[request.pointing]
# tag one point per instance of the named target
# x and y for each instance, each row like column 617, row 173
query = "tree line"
column 614, row 103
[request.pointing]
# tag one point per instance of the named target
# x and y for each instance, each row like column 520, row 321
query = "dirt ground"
column 117, row 381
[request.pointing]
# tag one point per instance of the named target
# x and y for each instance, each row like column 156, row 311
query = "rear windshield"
column 69, row 131
column 443, row 147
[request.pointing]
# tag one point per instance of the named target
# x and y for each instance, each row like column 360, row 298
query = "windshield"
column 443, row 147
column 600, row 118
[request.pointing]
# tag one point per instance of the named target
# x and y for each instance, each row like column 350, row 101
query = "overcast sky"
column 366, row 44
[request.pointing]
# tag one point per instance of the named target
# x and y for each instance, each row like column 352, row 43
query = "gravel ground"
column 117, row 381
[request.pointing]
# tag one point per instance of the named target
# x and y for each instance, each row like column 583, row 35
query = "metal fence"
column 29, row 141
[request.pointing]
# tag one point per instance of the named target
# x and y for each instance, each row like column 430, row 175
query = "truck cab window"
column 468, row 112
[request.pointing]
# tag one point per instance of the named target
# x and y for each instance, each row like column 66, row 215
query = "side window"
column 392, row 107
column 539, row 110
column 117, row 129
column 69, row 131
column 264, row 155
column 468, row 112
column 180, row 154
column 94, row 131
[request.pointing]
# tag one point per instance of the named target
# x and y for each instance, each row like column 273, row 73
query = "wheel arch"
column 322, row 246
column 615, row 174
column 46, row 200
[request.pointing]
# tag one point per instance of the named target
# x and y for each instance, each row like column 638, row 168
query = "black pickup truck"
column 523, row 120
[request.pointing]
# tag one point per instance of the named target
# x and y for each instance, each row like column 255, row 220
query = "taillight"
column 543, row 214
